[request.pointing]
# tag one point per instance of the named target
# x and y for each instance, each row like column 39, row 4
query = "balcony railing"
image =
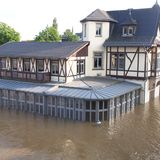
column 26, row 76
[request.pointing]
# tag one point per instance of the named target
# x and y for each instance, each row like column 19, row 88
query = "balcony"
column 26, row 76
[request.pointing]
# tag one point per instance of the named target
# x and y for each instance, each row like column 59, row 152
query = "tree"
column 8, row 34
column 54, row 24
column 49, row 34
column 69, row 36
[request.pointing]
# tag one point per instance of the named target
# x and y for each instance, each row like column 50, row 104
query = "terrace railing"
column 26, row 76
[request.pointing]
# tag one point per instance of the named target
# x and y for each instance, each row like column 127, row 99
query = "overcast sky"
column 28, row 17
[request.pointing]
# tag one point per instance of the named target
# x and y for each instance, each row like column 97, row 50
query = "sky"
column 29, row 17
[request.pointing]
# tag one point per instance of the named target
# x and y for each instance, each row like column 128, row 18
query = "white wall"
column 8, row 63
column 144, row 95
column 96, row 45
column 71, row 72
column 72, row 68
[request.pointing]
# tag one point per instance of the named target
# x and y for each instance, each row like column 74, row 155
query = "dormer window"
column 125, row 30
column 128, row 31
column 129, row 25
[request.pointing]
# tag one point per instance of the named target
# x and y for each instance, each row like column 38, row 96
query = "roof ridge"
column 128, row 8
column 99, row 15
column 103, row 12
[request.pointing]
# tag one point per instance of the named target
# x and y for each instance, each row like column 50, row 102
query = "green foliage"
column 8, row 34
column 69, row 36
column 49, row 34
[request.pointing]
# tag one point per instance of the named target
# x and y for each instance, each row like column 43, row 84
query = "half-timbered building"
column 114, row 68
column 70, row 93
column 124, row 44
column 43, row 61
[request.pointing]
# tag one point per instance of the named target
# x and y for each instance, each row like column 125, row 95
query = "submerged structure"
column 114, row 68
column 105, row 100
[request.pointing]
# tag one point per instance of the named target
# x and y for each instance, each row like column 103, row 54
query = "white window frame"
column 26, row 61
column 80, row 66
column 97, row 60
column 121, row 58
column 130, row 28
column 38, row 63
column 116, row 61
column 3, row 63
column 54, row 68
column 126, row 31
column 98, row 29
column 14, row 64
column 158, row 61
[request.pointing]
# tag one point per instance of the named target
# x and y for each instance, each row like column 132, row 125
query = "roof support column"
column 55, row 113
column 45, row 109
column 110, row 109
column 34, row 103
column 97, row 111
column 83, row 110
column 16, row 96
column 1, row 104
column 25, row 102
column 9, row 102
column 74, row 111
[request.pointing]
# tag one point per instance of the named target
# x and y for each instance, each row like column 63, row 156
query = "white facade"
column 96, row 46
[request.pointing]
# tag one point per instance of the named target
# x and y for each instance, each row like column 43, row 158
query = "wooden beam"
column 131, row 62
column 138, row 63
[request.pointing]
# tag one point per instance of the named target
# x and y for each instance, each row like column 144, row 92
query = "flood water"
column 135, row 136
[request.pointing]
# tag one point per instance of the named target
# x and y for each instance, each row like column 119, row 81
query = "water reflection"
column 135, row 136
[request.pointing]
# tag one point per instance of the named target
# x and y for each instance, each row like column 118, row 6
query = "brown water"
column 135, row 136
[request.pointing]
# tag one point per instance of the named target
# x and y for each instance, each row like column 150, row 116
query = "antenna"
column 130, row 11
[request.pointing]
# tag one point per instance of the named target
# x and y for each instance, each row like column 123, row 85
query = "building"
column 43, row 61
column 124, row 44
column 62, row 88
column 115, row 68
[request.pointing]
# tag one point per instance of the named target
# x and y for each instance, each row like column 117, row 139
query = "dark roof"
column 41, row 49
column 129, row 20
column 99, row 15
column 146, row 21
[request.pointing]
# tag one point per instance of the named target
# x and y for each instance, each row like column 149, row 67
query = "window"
column 121, row 62
column 158, row 61
column 54, row 68
column 114, row 61
column 40, row 65
column 125, row 30
column 14, row 64
column 117, row 61
column 128, row 30
column 2, row 63
column 98, row 29
column 26, row 65
column 80, row 66
column 98, row 60
column 85, row 30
